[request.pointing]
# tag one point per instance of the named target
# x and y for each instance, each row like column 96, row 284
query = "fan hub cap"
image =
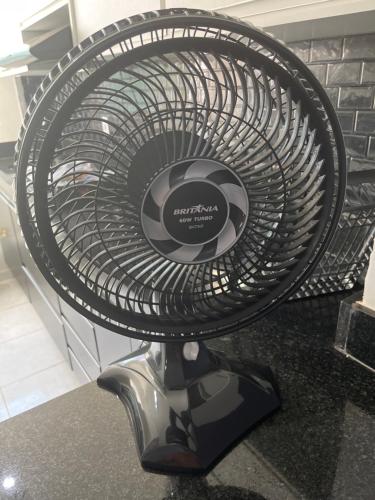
column 194, row 211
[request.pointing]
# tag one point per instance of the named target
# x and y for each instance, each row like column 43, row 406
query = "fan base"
column 187, row 414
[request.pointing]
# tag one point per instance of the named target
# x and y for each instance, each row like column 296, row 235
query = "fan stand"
column 188, row 404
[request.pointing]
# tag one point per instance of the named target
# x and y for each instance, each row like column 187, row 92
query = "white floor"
column 32, row 369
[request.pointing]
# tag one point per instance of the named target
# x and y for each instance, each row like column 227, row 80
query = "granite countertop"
column 320, row 445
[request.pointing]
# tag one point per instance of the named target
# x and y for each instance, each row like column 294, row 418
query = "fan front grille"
column 161, row 102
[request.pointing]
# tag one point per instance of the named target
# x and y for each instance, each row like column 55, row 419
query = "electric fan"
column 180, row 173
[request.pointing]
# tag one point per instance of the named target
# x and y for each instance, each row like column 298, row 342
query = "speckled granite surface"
column 319, row 446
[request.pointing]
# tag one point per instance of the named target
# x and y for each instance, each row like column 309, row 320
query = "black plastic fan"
column 180, row 173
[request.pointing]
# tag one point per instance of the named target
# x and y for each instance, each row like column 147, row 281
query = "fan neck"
column 171, row 366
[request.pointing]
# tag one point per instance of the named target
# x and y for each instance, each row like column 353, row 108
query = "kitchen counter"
column 320, row 445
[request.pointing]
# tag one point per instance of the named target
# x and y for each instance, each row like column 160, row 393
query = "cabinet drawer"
column 111, row 346
column 8, row 241
column 47, row 314
column 84, row 357
column 38, row 277
column 82, row 327
column 78, row 369
column 18, row 273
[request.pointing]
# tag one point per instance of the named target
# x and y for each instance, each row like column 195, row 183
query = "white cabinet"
column 111, row 346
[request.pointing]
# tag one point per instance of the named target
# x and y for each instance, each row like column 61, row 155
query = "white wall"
column 12, row 13
column 27, row 8
column 91, row 15
column 275, row 12
column 10, row 111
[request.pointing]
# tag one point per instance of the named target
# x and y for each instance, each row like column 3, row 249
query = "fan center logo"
column 196, row 209
column 194, row 212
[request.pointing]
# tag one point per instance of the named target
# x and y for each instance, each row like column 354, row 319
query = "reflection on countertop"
column 320, row 445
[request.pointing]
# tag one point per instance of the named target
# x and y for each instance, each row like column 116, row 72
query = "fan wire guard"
column 187, row 85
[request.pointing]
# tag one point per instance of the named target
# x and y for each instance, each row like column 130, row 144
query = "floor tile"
column 39, row 388
column 17, row 321
column 3, row 409
column 26, row 355
column 11, row 294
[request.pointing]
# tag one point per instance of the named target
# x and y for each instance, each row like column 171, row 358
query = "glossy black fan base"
column 187, row 414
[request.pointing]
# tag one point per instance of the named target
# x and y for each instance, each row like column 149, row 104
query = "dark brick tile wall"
column 320, row 71
column 369, row 72
column 342, row 73
column 356, row 145
column 333, row 94
column 366, row 121
column 371, row 149
column 346, row 119
column 359, row 47
column 356, row 97
column 302, row 49
column 346, row 68
column 325, row 50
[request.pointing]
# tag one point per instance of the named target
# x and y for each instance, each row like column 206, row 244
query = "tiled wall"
column 346, row 68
